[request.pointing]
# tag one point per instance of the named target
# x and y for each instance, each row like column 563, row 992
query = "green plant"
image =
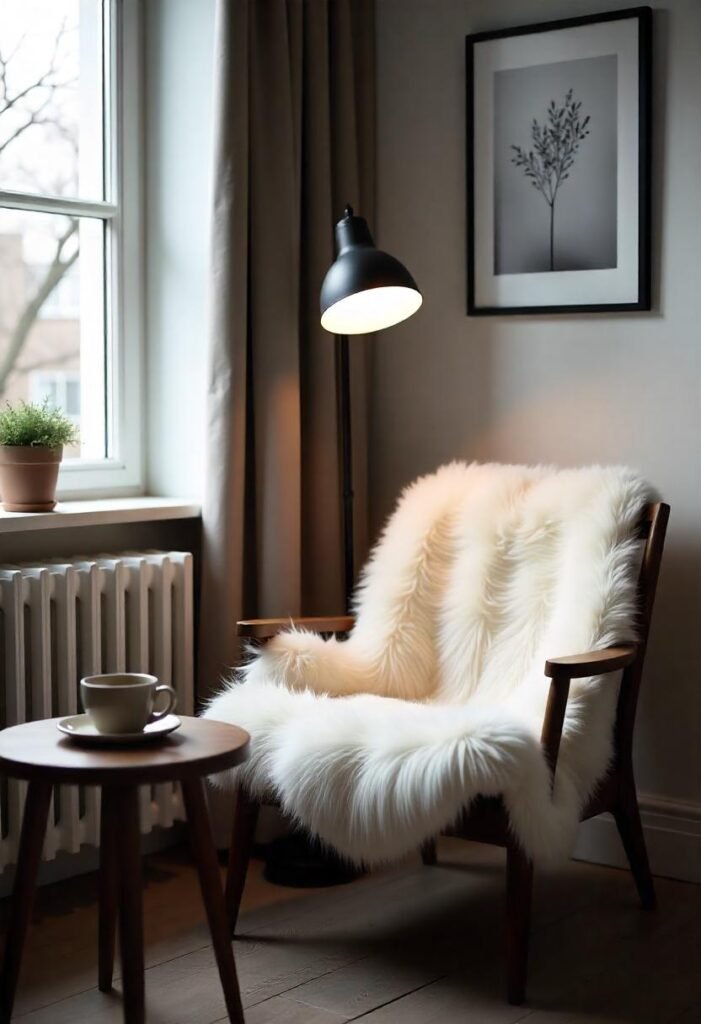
column 556, row 145
column 39, row 426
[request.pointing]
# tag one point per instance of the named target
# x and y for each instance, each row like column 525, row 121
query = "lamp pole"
column 344, row 415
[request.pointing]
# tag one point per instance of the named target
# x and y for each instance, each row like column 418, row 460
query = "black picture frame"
column 643, row 16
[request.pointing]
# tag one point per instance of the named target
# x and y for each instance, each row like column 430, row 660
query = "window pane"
column 51, row 71
column 71, row 398
column 52, row 334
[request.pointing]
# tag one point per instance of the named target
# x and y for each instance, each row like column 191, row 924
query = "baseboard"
column 67, row 865
column 672, row 833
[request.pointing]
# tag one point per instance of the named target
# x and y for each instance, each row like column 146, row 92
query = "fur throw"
column 483, row 571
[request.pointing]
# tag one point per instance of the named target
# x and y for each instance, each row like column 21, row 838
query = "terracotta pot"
column 28, row 477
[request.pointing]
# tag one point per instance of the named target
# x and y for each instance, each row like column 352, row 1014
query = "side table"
column 40, row 754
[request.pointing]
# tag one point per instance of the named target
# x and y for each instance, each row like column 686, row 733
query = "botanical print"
column 555, row 146
column 555, row 167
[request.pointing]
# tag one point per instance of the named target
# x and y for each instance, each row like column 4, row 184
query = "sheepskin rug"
column 483, row 571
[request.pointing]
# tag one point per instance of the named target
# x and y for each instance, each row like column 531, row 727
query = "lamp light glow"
column 371, row 310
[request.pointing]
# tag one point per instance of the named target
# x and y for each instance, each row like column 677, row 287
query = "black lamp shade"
column 365, row 289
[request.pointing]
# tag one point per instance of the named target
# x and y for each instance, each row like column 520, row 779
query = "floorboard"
column 448, row 999
column 411, row 945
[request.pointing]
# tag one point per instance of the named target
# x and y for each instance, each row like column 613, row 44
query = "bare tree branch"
column 57, row 269
column 18, row 47
column 24, row 104
column 41, row 82
column 34, row 118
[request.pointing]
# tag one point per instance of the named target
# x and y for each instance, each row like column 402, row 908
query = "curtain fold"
column 294, row 142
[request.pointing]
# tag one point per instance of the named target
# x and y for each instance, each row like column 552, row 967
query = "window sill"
column 104, row 512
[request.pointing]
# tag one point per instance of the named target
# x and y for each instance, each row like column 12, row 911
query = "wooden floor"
column 412, row 945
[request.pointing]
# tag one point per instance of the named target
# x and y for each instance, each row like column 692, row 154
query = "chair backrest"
column 485, row 571
column 653, row 529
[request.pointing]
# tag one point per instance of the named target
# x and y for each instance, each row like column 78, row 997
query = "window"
column 70, row 301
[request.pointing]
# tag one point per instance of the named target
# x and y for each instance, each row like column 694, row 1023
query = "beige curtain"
column 294, row 135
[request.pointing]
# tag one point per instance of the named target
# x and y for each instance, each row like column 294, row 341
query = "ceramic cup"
column 120, row 702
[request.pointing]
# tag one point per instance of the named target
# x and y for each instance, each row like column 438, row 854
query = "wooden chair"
column 485, row 819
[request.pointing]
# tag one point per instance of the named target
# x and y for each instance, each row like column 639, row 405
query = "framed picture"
column 558, row 166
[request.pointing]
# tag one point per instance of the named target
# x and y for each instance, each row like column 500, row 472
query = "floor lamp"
column 365, row 290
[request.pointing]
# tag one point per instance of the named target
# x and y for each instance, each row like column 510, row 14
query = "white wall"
column 567, row 389
column 178, row 146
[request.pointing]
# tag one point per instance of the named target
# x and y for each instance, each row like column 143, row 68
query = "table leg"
column 243, row 833
column 36, row 810
column 131, row 927
column 212, row 894
column 107, row 886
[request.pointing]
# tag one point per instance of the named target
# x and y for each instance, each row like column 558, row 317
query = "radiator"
column 65, row 619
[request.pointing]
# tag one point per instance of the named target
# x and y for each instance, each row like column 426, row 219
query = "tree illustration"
column 555, row 147
column 36, row 104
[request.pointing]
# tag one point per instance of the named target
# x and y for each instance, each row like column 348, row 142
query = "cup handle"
column 172, row 698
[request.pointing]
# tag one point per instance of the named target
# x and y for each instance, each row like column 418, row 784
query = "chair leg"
column 242, row 836
column 428, row 853
column 630, row 829
column 519, row 892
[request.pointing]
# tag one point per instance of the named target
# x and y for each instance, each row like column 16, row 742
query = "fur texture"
column 438, row 695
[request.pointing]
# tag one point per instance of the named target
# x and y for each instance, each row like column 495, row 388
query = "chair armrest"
column 264, row 629
column 593, row 663
column 561, row 671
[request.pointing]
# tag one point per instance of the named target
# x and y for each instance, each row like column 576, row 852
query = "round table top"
column 37, row 750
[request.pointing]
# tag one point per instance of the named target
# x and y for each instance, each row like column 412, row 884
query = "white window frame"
column 123, row 471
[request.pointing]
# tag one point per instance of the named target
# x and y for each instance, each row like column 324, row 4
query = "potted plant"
column 31, row 448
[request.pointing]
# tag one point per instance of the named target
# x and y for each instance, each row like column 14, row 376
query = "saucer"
column 81, row 730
